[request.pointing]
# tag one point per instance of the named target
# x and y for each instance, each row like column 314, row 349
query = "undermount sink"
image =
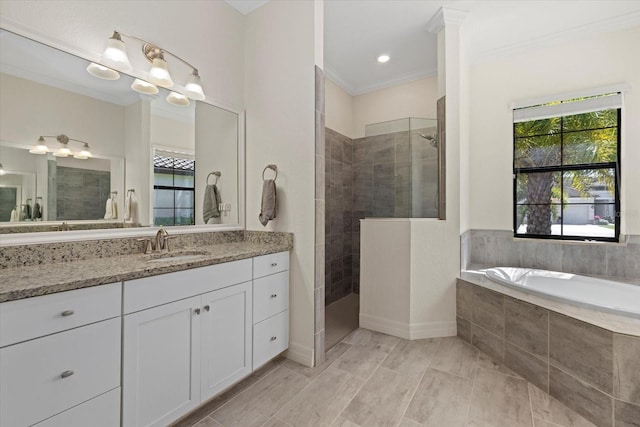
column 188, row 255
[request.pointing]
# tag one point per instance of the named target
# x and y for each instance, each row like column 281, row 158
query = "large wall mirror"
column 151, row 162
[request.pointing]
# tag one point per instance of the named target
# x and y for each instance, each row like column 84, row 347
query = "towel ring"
column 273, row 168
column 217, row 174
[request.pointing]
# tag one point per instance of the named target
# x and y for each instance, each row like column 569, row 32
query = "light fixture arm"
column 63, row 139
column 151, row 50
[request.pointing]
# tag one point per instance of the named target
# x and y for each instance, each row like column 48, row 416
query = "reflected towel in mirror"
column 111, row 209
column 131, row 208
column 211, row 205
column 268, row 205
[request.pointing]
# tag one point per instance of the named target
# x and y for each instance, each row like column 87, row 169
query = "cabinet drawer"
column 153, row 291
column 46, row 376
column 270, row 338
column 270, row 295
column 102, row 411
column 269, row 264
column 30, row 318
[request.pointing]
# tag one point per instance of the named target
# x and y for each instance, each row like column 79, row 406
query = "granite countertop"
column 30, row 281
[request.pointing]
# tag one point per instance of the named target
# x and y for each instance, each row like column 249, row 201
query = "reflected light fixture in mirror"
column 193, row 88
column 144, row 87
column 177, row 99
column 2, row 172
column 102, row 72
column 63, row 149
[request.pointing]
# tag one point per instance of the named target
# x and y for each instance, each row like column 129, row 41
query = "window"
column 566, row 169
column 173, row 189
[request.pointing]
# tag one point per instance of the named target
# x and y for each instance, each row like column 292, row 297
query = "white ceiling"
column 357, row 31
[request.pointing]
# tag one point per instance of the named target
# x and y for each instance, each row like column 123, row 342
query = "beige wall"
column 589, row 63
column 280, row 129
column 348, row 114
column 414, row 99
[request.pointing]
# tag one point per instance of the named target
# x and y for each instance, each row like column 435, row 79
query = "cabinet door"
column 226, row 337
column 161, row 361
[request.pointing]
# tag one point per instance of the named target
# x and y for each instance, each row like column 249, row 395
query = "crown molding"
column 353, row 91
column 446, row 16
column 337, row 80
column 617, row 23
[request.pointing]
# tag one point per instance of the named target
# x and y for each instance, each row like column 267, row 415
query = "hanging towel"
column 114, row 205
column 37, row 211
column 131, row 208
column 268, row 205
column 23, row 213
column 211, row 205
column 27, row 211
column 14, row 216
column 108, row 209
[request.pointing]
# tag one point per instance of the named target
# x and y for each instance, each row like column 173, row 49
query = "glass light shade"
column 115, row 55
column 102, row 72
column 84, row 153
column 192, row 88
column 178, row 99
column 41, row 148
column 144, row 87
column 2, row 171
column 159, row 73
column 63, row 151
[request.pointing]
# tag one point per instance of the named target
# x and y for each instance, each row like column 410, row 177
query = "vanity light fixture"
column 178, row 99
column 63, row 149
column 115, row 56
column 2, row 171
column 383, row 58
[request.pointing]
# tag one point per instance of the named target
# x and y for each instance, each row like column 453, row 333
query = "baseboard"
column 385, row 326
column 301, row 354
column 409, row 331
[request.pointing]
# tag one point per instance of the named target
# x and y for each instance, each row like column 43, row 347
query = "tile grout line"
column 473, row 386
column 413, row 395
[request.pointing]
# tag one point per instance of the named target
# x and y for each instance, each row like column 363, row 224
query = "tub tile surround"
column 96, row 262
column 594, row 371
column 493, row 248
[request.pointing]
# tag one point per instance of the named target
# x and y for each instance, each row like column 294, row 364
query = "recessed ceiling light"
column 383, row 58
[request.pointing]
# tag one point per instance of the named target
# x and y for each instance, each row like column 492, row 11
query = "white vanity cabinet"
column 270, row 306
column 60, row 359
column 187, row 336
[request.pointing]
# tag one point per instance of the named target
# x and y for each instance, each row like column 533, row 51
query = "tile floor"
column 340, row 319
column 371, row 379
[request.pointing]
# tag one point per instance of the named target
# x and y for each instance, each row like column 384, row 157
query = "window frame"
column 561, row 168
column 174, row 187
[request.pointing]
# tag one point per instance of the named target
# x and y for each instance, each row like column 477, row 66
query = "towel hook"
column 273, row 168
column 217, row 174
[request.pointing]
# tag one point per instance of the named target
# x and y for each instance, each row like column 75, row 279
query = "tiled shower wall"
column 488, row 248
column 338, row 216
column 81, row 193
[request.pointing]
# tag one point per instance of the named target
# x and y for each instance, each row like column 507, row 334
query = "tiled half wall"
column 591, row 370
column 493, row 248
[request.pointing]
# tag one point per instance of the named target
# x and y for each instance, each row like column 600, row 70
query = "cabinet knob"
column 274, row 338
column 67, row 313
column 66, row 374
column 196, row 310
column 274, row 264
column 274, row 295
column 207, row 308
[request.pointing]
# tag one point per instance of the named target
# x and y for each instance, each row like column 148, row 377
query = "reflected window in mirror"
column 173, row 189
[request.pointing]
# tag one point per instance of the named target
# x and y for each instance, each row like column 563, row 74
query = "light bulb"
column 144, row 87
column 102, row 72
column 178, row 99
column 159, row 73
column 383, row 58
column 193, row 88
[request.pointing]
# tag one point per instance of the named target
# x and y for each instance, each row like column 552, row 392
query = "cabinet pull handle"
column 66, row 374
column 274, row 338
column 273, row 264
column 196, row 310
column 67, row 313
column 274, row 295
column 206, row 308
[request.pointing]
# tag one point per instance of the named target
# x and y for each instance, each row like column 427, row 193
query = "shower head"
column 432, row 139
